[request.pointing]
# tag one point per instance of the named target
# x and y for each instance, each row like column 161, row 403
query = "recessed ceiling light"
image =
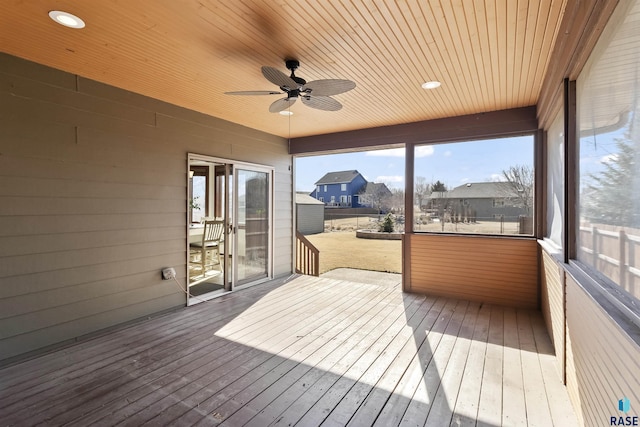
column 66, row 19
column 286, row 113
column 431, row 85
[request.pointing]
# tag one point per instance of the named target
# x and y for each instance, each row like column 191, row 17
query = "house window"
column 333, row 199
column 349, row 200
column 198, row 193
column 322, row 199
column 608, row 105
column 325, row 188
column 475, row 187
column 318, row 189
column 343, row 187
column 343, row 199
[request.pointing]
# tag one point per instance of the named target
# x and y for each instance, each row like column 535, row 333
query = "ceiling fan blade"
column 281, row 104
column 329, row 87
column 321, row 103
column 254, row 92
column 278, row 78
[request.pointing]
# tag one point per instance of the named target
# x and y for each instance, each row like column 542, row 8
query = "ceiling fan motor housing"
column 293, row 64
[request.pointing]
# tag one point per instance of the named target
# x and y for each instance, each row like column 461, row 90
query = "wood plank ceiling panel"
column 488, row 55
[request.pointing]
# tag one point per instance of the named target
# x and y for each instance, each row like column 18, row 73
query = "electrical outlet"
column 168, row 273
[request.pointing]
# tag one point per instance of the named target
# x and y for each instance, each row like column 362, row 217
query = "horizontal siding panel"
column 445, row 289
column 217, row 130
column 572, row 379
column 60, row 332
column 45, row 111
column 42, row 300
column 45, row 93
column 103, row 150
column 47, row 243
column 488, row 278
column 494, row 270
column 38, row 73
column 68, row 188
column 40, row 168
column 77, row 310
column 42, row 282
column 553, row 303
column 600, row 358
column 59, row 206
column 34, row 225
column 34, row 263
column 467, row 244
column 477, row 264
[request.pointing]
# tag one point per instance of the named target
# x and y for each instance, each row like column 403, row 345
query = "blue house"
column 340, row 189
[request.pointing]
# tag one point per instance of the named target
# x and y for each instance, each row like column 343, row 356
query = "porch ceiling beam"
column 516, row 121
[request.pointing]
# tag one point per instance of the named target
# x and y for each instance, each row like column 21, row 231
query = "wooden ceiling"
column 489, row 55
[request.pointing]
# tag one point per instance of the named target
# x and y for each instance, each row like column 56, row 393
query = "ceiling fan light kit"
column 315, row 94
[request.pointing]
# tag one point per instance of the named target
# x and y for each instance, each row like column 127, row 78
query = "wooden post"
column 594, row 245
column 623, row 250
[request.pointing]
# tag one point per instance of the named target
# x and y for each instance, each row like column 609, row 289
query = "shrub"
column 387, row 224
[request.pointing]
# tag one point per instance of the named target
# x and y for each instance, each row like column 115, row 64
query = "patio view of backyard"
column 340, row 248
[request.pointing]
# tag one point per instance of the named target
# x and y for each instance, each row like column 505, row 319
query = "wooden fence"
column 612, row 252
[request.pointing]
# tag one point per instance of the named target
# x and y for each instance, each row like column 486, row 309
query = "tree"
column 438, row 187
column 375, row 195
column 422, row 189
column 396, row 201
column 441, row 204
column 518, row 186
column 387, row 224
column 607, row 198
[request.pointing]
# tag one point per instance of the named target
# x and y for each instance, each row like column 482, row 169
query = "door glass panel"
column 206, row 267
column 252, row 225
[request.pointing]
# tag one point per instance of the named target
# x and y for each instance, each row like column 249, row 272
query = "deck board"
column 310, row 351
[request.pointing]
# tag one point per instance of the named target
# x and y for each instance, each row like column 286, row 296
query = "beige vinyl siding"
column 488, row 269
column 602, row 363
column 93, row 202
column 552, row 304
column 310, row 218
column 572, row 380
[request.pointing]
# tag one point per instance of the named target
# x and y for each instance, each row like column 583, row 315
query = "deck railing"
column 307, row 256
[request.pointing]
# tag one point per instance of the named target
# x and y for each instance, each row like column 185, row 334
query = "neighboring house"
column 309, row 214
column 349, row 189
column 340, row 189
column 374, row 195
column 481, row 201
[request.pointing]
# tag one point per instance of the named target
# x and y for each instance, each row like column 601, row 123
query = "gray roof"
column 475, row 190
column 341, row 177
column 373, row 187
column 305, row 199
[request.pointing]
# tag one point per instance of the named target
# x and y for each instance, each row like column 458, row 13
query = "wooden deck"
column 312, row 351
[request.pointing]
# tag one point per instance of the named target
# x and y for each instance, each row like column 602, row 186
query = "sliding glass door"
column 236, row 198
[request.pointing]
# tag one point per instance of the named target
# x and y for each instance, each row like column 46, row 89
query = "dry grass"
column 340, row 248
column 343, row 249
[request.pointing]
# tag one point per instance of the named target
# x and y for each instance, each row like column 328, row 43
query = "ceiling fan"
column 316, row 94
